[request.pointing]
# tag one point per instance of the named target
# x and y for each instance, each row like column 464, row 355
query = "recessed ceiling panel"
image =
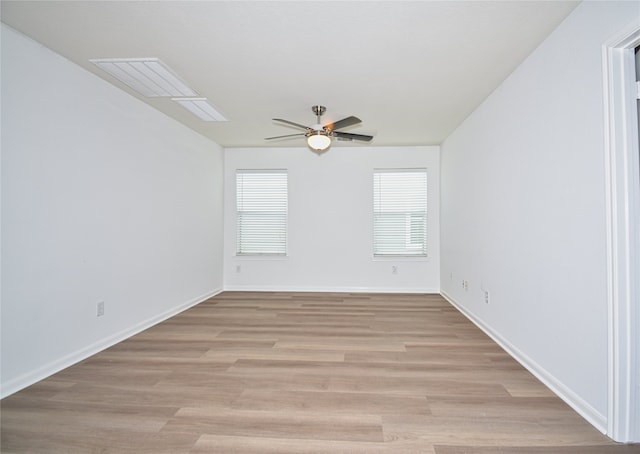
column 148, row 76
column 201, row 108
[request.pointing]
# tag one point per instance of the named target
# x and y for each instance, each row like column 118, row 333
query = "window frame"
column 378, row 246
column 241, row 197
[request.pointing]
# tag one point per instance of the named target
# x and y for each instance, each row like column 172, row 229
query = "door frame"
column 623, row 234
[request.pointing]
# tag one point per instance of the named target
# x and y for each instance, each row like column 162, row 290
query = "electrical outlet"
column 100, row 309
column 486, row 297
column 466, row 286
column 238, row 269
column 394, row 269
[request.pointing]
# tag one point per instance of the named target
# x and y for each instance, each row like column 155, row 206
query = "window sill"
column 261, row 257
column 400, row 258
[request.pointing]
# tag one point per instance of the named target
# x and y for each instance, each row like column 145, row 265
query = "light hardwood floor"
column 300, row 373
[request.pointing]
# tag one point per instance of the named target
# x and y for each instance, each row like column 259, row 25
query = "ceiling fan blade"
column 288, row 135
column 349, row 136
column 349, row 121
column 291, row 123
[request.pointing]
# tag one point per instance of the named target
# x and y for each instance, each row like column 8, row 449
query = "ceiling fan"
column 319, row 136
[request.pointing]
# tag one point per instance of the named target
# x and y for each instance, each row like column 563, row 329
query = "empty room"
column 320, row 227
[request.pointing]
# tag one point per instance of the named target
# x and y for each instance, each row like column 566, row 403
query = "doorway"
column 622, row 113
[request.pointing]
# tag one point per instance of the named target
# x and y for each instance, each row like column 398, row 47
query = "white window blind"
column 261, row 208
column 400, row 212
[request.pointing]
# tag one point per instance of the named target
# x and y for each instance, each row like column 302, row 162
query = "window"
column 400, row 212
column 261, row 206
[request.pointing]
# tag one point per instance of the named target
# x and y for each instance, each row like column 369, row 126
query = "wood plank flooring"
column 300, row 373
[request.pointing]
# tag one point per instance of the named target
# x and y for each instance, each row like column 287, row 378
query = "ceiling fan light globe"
column 318, row 141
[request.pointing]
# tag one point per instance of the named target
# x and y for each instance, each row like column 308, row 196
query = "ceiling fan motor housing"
column 317, row 127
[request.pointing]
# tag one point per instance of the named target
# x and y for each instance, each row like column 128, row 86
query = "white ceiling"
column 411, row 70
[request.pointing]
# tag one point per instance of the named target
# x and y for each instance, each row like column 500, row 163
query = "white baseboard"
column 595, row 418
column 331, row 289
column 51, row 368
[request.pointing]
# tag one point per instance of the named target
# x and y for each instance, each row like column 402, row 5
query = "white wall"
column 523, row 210
column 103, row 199
column 330, row 222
